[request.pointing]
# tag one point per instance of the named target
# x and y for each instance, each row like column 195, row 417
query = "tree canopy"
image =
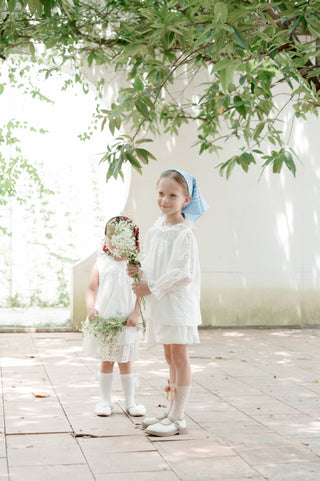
column 245, row 48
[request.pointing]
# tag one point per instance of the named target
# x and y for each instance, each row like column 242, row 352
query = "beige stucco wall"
column 260, row 241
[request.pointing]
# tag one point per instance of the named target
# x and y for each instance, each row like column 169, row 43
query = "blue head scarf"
column 197, row 206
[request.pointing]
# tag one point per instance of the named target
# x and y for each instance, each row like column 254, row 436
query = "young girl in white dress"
column 171, row 284
column 110, row 294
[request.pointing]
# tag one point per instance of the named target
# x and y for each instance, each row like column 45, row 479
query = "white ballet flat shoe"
column 136, row 410
column 167, row 427
column 146, row 422
column 103, row 408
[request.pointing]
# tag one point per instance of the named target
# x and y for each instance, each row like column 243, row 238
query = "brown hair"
column 173, row 174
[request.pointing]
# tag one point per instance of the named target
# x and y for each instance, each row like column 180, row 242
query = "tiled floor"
column 253, row 413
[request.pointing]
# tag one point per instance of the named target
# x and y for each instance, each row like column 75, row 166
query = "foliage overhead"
column 248, row 50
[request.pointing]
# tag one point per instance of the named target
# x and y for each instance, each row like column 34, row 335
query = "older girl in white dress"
column 171, row 284
column 109, row 294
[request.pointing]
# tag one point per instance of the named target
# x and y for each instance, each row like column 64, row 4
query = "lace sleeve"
column 180, row 268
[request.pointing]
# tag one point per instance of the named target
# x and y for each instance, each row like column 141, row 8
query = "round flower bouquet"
column 125, row 242
column 106, row 330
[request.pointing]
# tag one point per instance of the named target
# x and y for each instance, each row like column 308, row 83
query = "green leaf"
column 145, row 154
column 138, row 83
column 226, row 77
column 230, row 167
column 277, row 166
column 257, row 131
column 239, row 39
column 35, row 6
column 142, row 141
column 112, row 126
column 12, row 5
column 141, row 107
column 221, row 11
column 289, row 162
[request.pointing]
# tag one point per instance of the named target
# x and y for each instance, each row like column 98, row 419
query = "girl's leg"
column 175, row 423
column 104, row 407
column 128, row 384
column 172, row 374
column 172, row 380
column 180, row 357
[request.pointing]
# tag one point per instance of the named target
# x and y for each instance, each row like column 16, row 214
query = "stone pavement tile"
column 100, row 446
column 300, row 425
column 43, row 449
column 231, row 387
column 306, row 402
column 80, row 472
column 313, row 444
column 233, row 415
column 196, row 448
column 204, row 461
column 38, row 415
column 240, row 369
column 313, row 385
column 3, row 470
column 73, row 393
column 212, row 404
column 24, row 392
column 114, row 425
column 290, row 472
column 262, row 404
column 139, row 476
column 225, row 430
column 287, row 453
column 3, row 450
column 126, row 462
column 237, row 439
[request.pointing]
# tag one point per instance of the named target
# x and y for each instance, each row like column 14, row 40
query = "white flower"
column 123, row 240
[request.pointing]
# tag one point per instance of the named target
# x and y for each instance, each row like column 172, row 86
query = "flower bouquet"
column 125, row 242
column 106, row 330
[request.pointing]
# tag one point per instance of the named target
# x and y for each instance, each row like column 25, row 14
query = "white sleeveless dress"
column 115, row 298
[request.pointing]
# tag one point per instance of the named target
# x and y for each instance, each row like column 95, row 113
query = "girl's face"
column 171, row 197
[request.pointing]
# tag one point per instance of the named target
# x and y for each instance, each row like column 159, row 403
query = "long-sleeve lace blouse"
column 171, row 268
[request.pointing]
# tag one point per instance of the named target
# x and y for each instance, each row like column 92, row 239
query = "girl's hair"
column 173, row 174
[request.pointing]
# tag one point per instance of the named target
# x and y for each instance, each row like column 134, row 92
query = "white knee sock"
column 105, row 380
column 182, row 394
column 128, row 386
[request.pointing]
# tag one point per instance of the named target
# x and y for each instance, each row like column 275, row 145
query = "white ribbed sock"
column 182, row 394
column 105, row 379
column 128, row 386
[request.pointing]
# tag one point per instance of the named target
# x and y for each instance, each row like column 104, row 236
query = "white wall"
column 259, row 241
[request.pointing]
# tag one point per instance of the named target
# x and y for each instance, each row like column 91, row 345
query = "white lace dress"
column 115, row 298
column 171, row 267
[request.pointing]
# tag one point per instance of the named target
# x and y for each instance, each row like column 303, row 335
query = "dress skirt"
column 126, row 348
column 165, row 334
